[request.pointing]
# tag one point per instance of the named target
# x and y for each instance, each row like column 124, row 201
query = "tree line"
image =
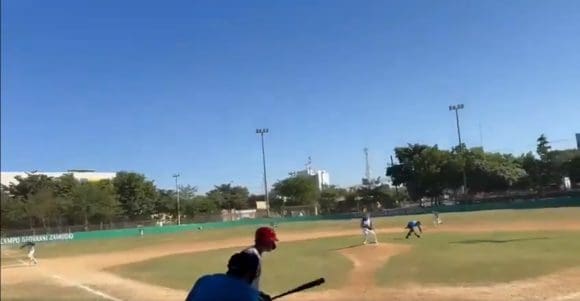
column 430, row 172
column 422, row 172
column 41, row 201
column 303, row 190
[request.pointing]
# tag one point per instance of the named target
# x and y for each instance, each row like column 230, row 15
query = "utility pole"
column 266, row 199
column 177, row 190
column 456, row 108
column 393, row 164
column 480, row 137
column 367, row 166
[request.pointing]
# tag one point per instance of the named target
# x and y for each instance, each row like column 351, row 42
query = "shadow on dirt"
column 348, row 247
column 496, row 241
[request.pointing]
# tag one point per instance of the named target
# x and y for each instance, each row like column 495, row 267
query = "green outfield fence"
column 135, row 232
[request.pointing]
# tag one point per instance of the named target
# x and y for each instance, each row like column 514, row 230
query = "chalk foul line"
column 86, row 288
column 81, row 286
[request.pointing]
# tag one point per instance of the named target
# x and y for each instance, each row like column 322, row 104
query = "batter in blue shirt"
column 235, row 285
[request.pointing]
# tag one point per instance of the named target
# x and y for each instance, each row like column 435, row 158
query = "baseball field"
column 486, row 255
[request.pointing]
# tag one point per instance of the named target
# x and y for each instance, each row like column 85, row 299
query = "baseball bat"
column 302, row 287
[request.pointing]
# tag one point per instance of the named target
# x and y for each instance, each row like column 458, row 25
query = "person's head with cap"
column 265, row 240
column 244, row 266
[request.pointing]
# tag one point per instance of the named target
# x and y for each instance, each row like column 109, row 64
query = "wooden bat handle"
column 302, row 287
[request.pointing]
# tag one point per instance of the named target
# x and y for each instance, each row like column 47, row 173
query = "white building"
column 322, row 177
column 9, row 177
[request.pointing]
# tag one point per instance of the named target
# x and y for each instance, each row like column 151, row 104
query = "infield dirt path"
column 88, row 270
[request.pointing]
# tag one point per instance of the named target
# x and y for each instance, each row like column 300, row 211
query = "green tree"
column 40, row 207
column 186, row 198
column 65, row 185
column 35, row 194
column 299, row 190
column 406, row 173
column 107, row 206
column 187, row 192
column 545, row 165
column 424, row 170
column 202, row 205
column 573, row 168
column 230, row 197
column 166, row 201
column 136, row 195
column 530, row 165
column 95, row 202
column 563, row 163
column 430, row 172
column 12, row 211
column 375, row 197
column 329, row 198
column 29, row 185
column 492, row 172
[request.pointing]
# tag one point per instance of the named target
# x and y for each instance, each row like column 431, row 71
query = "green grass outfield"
column 448, row 258
column 290, row 263
column 65, row 249
column 466, row 259
column 438, row 257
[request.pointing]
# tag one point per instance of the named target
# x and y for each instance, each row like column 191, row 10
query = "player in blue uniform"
column 235, row 285
column 413, row 226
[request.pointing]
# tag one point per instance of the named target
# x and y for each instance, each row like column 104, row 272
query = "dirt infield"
column 86, row 272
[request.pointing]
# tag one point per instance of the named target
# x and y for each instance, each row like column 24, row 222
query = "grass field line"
column 81, row 286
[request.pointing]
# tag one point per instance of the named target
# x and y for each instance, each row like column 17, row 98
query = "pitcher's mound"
column 367, row 259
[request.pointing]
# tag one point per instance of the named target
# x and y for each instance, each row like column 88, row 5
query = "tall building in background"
column 578, row 140
column 322, row 177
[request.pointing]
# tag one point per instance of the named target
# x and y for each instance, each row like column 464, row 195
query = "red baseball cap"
column 266, row 235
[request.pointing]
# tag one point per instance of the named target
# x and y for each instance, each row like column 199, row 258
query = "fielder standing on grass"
column 31, row 250
column 264, row 241
column 368, row 229
column 413, row 226
column 436, row 218
column 235, row 285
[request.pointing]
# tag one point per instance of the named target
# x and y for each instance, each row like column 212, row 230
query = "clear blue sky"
column 165, row 86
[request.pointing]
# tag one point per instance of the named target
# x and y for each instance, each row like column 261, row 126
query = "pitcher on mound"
column 368, row 229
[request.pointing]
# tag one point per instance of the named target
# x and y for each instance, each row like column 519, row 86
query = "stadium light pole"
column 456, row 108
column 266, row 199
column 177, row 190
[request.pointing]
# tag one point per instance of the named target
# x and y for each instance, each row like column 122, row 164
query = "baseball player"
column 264, row 241
column 235, row 285
column 31, row 249
column 436, row 218
column 413, row 226
column 367, row 228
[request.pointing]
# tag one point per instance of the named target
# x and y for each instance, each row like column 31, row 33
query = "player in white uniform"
column 367, row 228
column 31, row 250
column 265, row 241
column 436, row 218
